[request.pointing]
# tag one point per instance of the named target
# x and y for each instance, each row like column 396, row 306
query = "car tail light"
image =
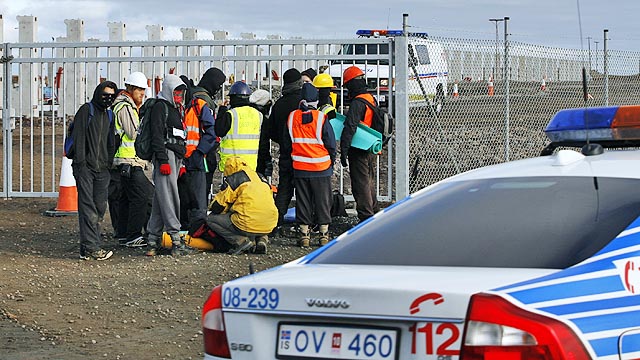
column 215, row 337
column 497, row 329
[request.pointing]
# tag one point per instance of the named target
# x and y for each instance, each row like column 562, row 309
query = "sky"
column 542, row 22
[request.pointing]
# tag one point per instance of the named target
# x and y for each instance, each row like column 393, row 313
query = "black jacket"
column 357, row 110
column 94, row 141
column 161, row 132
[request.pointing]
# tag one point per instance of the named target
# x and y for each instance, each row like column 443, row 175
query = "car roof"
column 611, row 163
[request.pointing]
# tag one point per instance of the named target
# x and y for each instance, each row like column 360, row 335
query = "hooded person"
column 261, row 100
column 92, row 154
column 168, row 147
column 361, row 163
column 275, row 129
column 312, row 145
column 201, row 143
column 243, row 212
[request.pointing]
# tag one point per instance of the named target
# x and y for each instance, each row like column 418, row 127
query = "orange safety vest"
column 192, row 124
column 368, row 115
column 307, row 148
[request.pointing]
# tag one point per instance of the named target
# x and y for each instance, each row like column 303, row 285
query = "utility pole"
column 606, row 68
column 589, row 47
column 495, row 67
column 596, row 42
column 507, row 65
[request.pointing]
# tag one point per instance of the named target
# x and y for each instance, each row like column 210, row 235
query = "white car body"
column 309, row 309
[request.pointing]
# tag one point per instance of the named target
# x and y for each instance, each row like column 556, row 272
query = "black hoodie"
column 94, row 140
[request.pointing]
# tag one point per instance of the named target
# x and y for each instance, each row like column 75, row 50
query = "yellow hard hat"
column 323, row 80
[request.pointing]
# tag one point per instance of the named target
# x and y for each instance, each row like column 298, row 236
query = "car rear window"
column 539, row 222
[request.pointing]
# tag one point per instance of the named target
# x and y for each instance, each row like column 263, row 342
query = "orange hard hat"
column 351, row 73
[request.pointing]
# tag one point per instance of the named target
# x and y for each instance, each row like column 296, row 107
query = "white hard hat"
column 137, row 79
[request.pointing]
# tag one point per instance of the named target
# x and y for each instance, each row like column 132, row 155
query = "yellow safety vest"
column 327, row 108
column 243, row 137
column 127, row 149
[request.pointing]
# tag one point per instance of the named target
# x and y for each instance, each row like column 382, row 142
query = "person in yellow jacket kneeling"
column 243, row 212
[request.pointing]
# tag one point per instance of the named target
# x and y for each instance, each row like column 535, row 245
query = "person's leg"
column 100, row 196
column 115, row 192
column 222, row 225
column 137, row 189
column 322, row 197
column 286, row 187
column 359, row 171
column 86, row 210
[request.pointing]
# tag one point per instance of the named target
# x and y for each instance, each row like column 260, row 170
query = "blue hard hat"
column 240, row 88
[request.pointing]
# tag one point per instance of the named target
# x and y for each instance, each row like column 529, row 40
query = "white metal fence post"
column 402, row 113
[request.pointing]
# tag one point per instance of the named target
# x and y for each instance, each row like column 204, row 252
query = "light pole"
column 589, row 46
column 495, row 67
column 596, row 56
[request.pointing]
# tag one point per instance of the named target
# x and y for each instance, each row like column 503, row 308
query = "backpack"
column 69, row 142
column 143, row 139
column 337, row 204
column 382, row 121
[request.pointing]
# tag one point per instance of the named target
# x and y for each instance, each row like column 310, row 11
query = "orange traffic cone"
column 67, row 194
column 455, row 90
column 543, row 86
column 490, row 86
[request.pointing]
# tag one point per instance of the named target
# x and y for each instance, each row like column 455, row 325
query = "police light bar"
column 386, row 33
column 597, row 123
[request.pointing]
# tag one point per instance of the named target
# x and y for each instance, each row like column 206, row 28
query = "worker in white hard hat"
column 130, row 191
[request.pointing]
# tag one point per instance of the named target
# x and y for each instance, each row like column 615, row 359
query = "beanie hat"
column 290, row 76
column 310, row 73
column 260, row 97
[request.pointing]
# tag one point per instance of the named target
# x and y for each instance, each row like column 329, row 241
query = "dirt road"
column 55, row 306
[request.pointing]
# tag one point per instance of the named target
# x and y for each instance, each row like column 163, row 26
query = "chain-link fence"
column 488, row 116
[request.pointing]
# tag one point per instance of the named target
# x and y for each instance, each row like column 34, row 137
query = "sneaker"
column 99, row 255
column 241, row 248
column 182, row 249
column 122, row 241
column 140, row 241
column 152, row 250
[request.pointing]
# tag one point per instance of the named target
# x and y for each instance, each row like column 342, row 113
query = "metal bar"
column 402, row 112
column 506, row 88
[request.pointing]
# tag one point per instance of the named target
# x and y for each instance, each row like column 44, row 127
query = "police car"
column 531, row 259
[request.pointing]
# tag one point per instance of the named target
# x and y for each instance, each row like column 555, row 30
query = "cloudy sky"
column 544, row 22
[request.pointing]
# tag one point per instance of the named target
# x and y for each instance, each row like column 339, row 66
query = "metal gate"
column 45, row 83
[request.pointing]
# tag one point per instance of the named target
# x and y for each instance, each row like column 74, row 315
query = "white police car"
column 532, row 259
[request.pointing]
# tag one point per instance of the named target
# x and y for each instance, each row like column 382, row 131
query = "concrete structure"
column 275, row 50
column 26, row 103
column 220, row 52
column 117, row 72
column 191, row 69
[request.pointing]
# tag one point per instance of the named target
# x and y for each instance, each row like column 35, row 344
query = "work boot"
column 261, row 244
column 242, row 247
column 178, row 248
column 305, row 238
column 152, row 245
column 324, row 235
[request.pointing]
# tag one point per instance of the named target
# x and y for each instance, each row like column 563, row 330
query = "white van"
column 427, row 67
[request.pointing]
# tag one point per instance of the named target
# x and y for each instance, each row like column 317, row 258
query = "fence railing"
column 456, row 107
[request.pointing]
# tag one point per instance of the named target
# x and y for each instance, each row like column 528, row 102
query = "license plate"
column 321, row 341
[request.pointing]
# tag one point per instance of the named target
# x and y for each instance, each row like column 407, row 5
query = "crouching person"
column 243, row 212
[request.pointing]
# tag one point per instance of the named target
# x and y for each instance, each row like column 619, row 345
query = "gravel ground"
column 55, row 306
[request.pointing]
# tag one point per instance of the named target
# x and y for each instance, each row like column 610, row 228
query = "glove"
column 343, row 160
column 165, row 169
column 182, row 170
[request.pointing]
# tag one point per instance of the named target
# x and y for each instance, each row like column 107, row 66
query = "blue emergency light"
column 386, row 33
column 608, row 123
